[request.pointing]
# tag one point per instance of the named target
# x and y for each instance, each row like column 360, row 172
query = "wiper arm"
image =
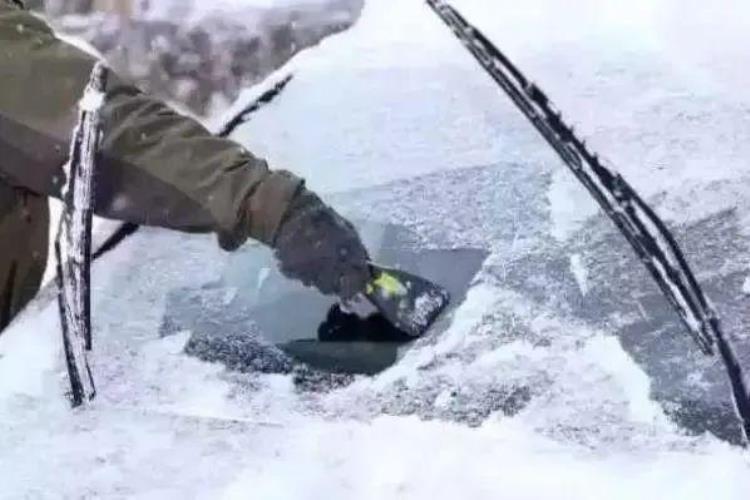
column 646, row 233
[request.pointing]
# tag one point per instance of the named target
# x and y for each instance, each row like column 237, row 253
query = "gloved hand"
column 318, row 247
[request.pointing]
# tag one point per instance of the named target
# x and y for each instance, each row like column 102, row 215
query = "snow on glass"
column 647, row 234
column 592, row 424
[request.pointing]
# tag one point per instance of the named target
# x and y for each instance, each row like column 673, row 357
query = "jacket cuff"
column 263, row 211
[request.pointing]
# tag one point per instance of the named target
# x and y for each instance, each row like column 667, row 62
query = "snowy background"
column 563, row 374
column 197, row 54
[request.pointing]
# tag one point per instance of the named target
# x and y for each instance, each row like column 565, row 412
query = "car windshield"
column 559, row 370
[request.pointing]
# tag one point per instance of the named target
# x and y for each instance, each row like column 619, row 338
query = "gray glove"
column 318, row 247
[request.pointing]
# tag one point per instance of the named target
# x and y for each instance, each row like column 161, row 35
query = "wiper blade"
column 647, row 234
column 73, row 241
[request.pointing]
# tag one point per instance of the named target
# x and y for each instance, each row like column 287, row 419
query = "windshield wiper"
column 647, row 234
column 73, row 241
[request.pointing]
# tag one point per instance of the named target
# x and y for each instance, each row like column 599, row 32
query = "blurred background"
column 198, row 54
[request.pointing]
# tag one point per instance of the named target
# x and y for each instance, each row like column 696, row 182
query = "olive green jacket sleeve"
column 155, row 166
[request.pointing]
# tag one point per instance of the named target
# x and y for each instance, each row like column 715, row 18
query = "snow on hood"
column 516, row 399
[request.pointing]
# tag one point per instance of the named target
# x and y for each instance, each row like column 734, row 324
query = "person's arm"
column 155, row 166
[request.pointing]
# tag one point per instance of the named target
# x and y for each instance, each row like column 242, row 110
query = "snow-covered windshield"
column 560, row 371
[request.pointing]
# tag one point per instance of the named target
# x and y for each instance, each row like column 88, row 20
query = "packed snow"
column 578, row 268
column 536, row 390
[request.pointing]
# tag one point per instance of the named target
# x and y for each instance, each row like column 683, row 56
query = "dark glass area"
column 254, row 319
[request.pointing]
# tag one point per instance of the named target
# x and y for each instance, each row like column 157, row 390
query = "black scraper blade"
column 410, row 303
